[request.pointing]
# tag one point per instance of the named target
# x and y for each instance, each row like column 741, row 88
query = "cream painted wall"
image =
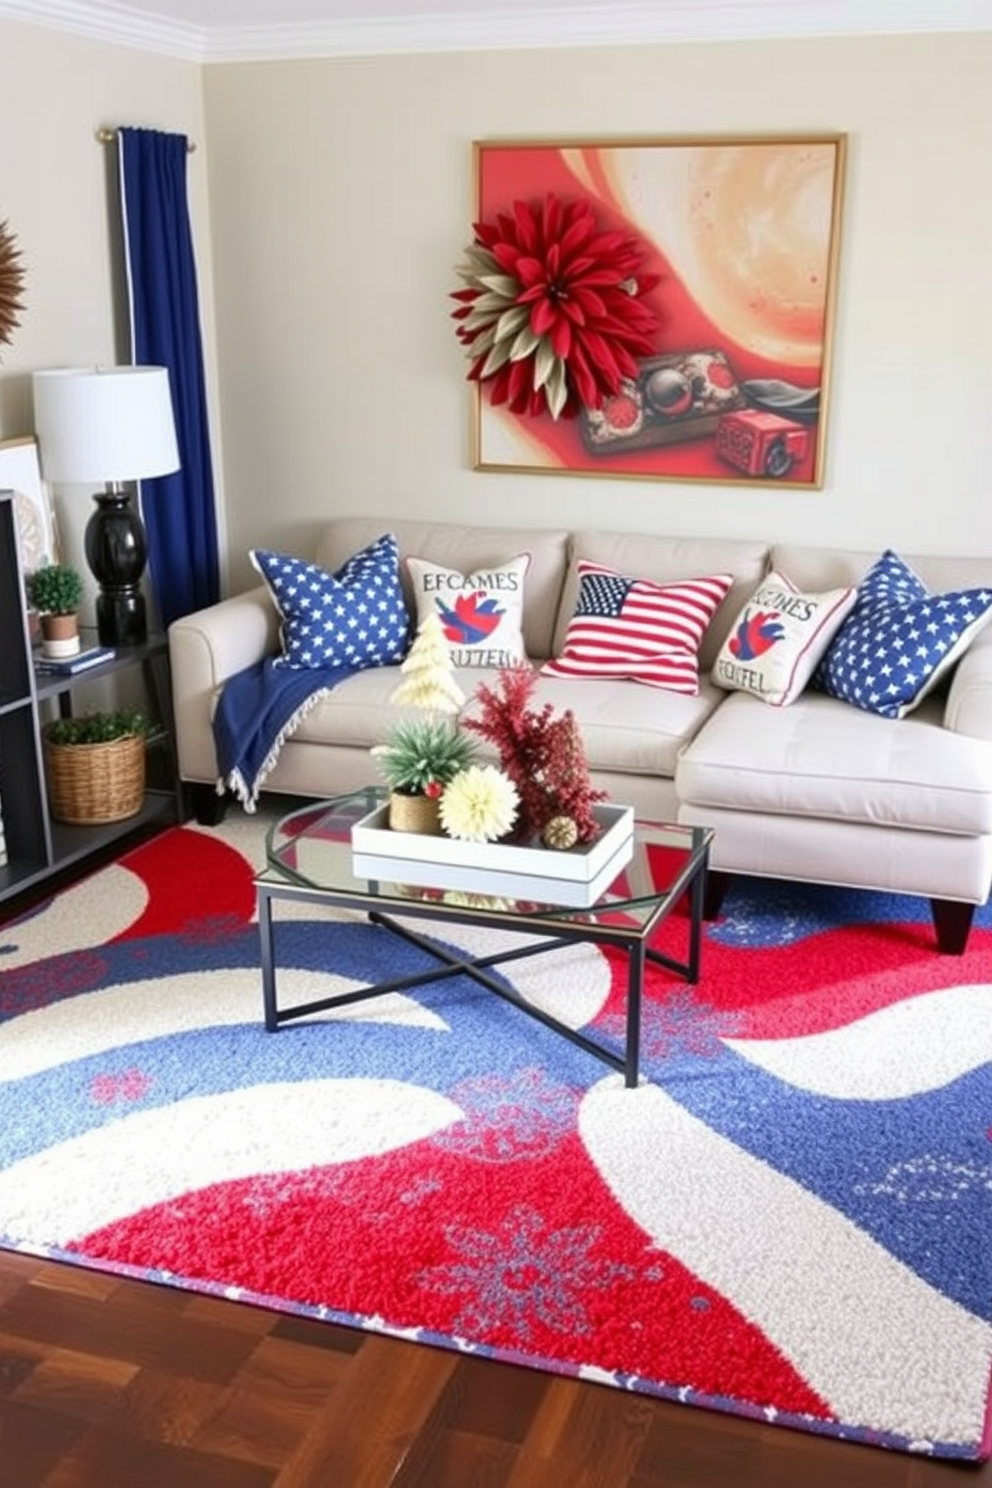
column 57, row 91
column 341, row 198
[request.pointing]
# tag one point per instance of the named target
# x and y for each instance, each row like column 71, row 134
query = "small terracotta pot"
column 60, row 635
column 415, row 814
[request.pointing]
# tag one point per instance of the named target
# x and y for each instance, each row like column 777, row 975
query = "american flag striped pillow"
column 637, row 629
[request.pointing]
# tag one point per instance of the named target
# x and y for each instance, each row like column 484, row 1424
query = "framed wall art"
column 658, row 309
column 20, row 472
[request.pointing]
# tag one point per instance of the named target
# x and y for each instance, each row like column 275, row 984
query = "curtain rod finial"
column 107, row 136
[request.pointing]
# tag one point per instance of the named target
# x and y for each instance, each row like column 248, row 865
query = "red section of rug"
column 191, row 877
column 377, row 1238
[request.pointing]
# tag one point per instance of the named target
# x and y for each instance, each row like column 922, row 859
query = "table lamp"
column 109, row 424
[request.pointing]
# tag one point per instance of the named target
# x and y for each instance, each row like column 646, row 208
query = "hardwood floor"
column 108, row 1383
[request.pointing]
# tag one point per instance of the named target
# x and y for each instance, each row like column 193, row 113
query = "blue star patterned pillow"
column 899, row 639
column 356, row 617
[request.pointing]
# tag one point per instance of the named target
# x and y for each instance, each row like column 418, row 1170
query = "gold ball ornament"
column 561, row 833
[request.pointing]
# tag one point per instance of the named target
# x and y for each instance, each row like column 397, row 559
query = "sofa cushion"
column 968, row 709
column 778, row 638
column 359, row 711
column 634, row 629
column 899, row 639
column 626, row 729
column 821, row 758
column 482, row 612
column 355, row 617
column 828, row 568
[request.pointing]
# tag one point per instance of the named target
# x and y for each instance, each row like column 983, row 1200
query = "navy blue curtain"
column 178, row 510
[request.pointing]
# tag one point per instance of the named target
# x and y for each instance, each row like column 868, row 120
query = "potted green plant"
column 420, row 757
column 95, row 765
column 56, row 591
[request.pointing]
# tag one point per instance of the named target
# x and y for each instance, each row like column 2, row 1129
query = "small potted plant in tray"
column 95, row 765
column 421, row 757
column 56, row 591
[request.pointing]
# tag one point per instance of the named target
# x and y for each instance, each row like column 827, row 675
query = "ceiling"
column 233, row 30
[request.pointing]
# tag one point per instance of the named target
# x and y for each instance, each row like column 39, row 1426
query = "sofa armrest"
column 205, row 649
column 969, row 699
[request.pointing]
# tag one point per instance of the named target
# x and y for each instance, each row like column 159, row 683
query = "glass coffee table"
column 309, row 860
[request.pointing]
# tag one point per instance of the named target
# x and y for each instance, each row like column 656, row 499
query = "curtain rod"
column 107, row 137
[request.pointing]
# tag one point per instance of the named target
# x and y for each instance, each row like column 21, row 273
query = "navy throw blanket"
column 257, row 711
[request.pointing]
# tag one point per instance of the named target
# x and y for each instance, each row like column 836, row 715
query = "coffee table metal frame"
column 603, row 924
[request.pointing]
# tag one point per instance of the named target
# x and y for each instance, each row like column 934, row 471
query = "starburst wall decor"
column 553, row 312
column 11, row 284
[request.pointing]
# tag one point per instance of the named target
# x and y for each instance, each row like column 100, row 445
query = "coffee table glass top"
column 311, row 847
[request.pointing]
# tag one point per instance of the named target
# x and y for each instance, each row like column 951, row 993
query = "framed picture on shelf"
column 679, row 300
column 20, row 472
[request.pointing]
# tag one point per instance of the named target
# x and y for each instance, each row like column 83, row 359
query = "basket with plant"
column 95, row 765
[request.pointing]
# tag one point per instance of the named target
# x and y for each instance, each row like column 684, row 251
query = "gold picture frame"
column 739, row 238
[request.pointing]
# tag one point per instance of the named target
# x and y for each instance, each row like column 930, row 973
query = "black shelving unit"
column 38, row 847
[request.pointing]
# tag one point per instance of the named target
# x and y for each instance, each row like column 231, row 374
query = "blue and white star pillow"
column 899, row 639
column 356, row 617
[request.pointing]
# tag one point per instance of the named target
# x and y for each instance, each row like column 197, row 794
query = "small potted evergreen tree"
column 56, row 590
column 423, row 755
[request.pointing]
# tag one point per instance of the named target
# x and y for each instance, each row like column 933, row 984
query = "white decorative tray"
column 575, row 879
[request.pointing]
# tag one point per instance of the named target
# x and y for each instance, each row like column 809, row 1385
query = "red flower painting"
column 655, row 308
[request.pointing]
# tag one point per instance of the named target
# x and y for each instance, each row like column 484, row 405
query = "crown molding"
column 611, row 23
column 121, row 25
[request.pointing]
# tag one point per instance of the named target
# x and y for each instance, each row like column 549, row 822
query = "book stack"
column 67, row 666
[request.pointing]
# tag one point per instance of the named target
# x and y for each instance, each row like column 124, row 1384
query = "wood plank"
column 585, row 1435
column 368, row 1428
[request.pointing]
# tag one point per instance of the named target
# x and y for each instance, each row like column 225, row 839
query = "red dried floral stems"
column 553, row 315
column 541, row 752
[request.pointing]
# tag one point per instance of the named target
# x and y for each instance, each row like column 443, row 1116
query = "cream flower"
column 479, row 805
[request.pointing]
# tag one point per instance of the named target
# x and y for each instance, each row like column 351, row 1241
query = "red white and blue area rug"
column 790, row 1219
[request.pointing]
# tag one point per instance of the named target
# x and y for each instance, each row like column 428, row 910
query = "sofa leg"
column 208, row 807
column 717, row 884
column 952, row 922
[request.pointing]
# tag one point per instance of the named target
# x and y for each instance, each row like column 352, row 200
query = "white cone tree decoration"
column 428, row 682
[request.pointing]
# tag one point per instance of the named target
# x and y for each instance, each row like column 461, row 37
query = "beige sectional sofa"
column 817, row 790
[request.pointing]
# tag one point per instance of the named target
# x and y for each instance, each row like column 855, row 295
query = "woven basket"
column 415, row 814
column 94, row 783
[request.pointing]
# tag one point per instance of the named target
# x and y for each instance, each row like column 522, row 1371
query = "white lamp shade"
column 105, row 423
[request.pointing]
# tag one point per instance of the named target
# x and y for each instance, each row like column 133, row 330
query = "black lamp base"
column 121, row 618
column 116, row 551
